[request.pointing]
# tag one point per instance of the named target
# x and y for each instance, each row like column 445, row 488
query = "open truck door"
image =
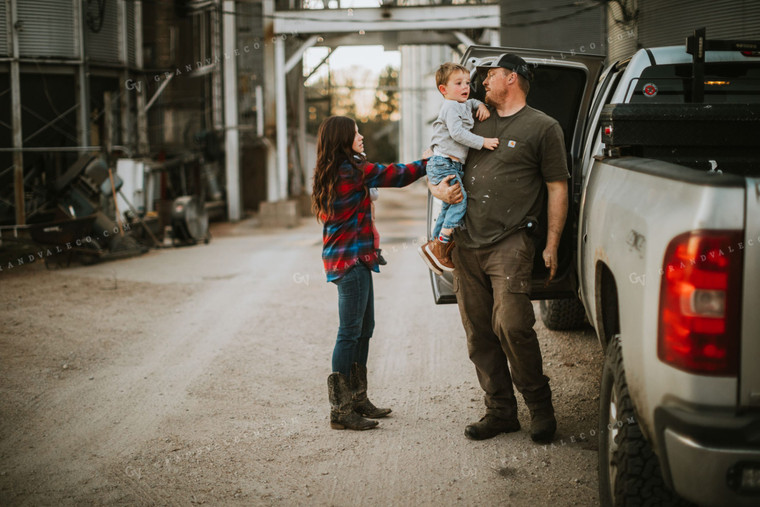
column 562, row 87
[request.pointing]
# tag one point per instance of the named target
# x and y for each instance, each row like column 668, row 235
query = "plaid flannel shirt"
column 348, row 236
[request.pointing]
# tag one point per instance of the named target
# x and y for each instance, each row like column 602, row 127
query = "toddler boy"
column 451, row 141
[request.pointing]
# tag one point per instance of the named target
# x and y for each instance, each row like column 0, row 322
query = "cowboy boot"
column 342, row 413
column 362, row 405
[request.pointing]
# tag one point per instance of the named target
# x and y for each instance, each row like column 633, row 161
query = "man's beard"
column 493, row 100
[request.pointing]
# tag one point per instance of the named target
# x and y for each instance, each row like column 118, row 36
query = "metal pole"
column 297, row 56
column 302, row 158
column 159, row 92
column 231, row 133
column 126, row 136
column 282, row 118
column 142, row 119
column 259, row 111
column 270, row 100
column 108, row 125
column 495, row 39
column 54, row 149
column 18, row 139
column 83, row 79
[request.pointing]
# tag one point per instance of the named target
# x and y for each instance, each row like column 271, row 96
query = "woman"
column 341, row 201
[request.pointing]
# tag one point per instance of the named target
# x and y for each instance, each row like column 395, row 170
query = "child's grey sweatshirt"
column 451, row 130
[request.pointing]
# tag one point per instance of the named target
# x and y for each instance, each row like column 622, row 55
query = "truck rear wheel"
column 562, row 314
column 629, row 471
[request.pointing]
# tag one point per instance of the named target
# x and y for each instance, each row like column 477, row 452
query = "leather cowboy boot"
column 362, row 405
column 342, row 413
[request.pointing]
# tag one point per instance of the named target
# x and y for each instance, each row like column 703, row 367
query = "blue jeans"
column 451, row 215
column 356, row 310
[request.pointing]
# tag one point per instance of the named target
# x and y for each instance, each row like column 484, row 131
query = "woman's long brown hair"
column 334, row 147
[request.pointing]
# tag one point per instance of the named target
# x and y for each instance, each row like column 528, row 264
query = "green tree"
column 386, row 100
column 343, row 104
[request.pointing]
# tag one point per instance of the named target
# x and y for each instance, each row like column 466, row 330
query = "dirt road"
column 198, row 375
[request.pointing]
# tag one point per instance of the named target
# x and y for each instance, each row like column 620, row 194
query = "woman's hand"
column 450, row 194
column 427, row 154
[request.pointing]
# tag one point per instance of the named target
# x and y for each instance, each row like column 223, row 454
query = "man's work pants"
column 492, row 286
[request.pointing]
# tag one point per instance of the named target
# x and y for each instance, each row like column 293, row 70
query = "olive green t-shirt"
column 508, row 184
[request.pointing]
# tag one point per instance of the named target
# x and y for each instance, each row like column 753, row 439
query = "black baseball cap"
column 511, row 62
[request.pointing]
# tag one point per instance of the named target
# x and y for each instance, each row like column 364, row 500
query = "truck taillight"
column 700, row 300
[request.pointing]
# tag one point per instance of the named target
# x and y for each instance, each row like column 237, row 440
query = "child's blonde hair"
column 445, row 71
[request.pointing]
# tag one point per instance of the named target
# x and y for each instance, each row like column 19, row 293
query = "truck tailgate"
column 749, row 383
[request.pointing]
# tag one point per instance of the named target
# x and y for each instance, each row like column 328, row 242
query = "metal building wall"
column 4, row 29
column 621, row 31
column 131, row 34
column 47, row 28
column 660, row 23
column 250, row 61
column 105, row 44
column 664, row 23
column 561, row 25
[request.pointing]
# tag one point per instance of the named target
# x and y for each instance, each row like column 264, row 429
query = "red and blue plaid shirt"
column 348, row 236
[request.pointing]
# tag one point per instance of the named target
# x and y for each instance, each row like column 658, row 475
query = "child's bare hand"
column 490, row 143
column 482, row 112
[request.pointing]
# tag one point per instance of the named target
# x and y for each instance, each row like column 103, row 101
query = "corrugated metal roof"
column 47, row 29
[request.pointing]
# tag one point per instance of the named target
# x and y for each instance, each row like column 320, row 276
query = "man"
column 493, row 257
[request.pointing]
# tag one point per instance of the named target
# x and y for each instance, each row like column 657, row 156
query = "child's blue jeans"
column 451, row 215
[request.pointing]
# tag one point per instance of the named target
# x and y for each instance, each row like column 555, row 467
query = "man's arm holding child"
column 451, row 194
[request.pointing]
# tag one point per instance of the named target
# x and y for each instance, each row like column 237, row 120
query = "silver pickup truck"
column 661, row 255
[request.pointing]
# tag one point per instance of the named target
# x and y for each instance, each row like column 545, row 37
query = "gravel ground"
column 198, row 375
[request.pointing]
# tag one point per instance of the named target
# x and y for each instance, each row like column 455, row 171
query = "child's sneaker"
column 437, row 255
column 428, row 262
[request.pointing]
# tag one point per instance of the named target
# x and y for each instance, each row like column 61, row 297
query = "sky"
column 373, row 57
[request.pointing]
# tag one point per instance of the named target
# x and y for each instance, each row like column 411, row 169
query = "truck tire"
column 629, row 471
column 563, row 314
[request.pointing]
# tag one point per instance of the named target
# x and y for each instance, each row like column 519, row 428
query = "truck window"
column 725, row 82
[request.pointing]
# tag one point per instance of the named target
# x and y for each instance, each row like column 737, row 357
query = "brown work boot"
column 362, row 405
column 543, row 424
column 489, row 426
column 437, row 255
column 342, row 413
